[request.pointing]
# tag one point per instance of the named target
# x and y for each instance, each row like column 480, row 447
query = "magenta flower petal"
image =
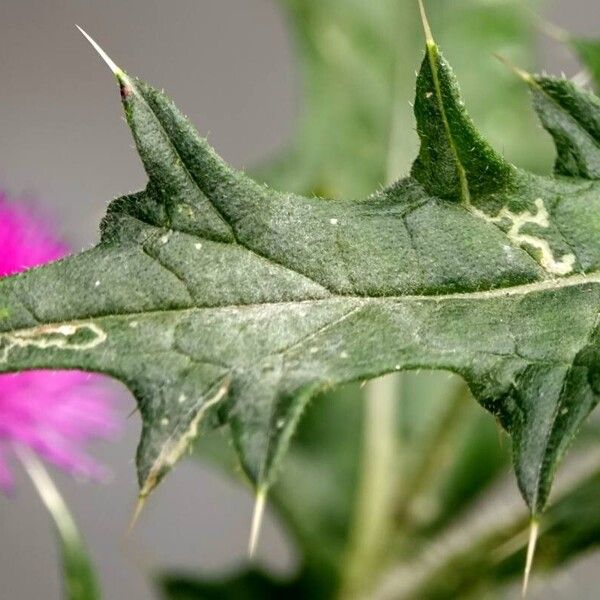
column 54, row 413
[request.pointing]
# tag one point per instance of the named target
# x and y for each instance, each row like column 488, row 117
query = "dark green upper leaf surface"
column 218, row 300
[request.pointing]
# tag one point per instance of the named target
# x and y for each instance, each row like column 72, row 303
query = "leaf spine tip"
column 524, row 75
column 534, row 530
column 105, row 57
column 426, row 28
column 257, row 519
column 137, row 511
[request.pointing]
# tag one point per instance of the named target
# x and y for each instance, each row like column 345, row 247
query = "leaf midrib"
column 465, row 193
column 497, row 293
column 180, row 160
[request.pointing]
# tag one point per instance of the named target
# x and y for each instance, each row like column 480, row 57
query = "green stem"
column 79, row 579
column 377, row 483
column 437, row 450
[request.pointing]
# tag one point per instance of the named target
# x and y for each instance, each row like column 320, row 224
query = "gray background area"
column 229, row 65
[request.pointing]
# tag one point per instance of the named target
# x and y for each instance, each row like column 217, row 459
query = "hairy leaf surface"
column 216, row 299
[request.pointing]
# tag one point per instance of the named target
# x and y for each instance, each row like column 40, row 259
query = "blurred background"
column 230, row 65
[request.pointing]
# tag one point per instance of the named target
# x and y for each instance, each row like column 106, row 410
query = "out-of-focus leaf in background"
column 484, row 550
column 249, row 585
column 476, row 558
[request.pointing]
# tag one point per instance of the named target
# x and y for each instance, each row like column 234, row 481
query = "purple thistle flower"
column 54, row 413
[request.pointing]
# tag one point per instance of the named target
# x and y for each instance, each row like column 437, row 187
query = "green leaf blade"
column 217, row 300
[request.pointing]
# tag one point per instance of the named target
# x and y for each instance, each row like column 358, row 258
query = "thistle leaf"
column 218, row 300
